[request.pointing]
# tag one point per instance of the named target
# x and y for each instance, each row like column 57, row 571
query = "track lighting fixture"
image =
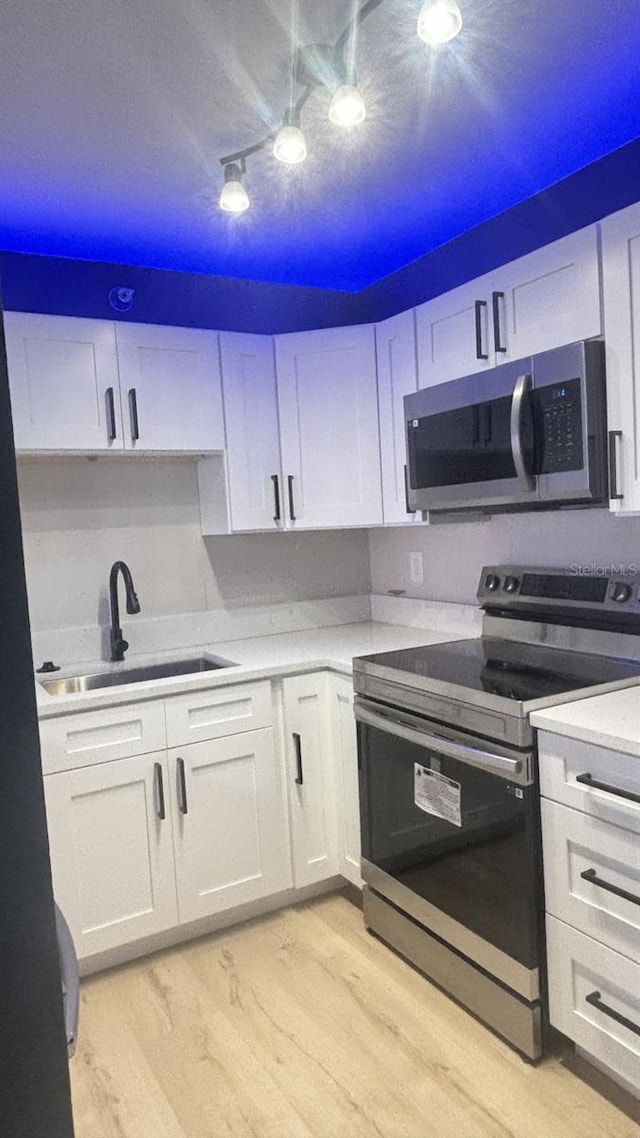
column 234, row 198
column 329, row 65
column 439, row 21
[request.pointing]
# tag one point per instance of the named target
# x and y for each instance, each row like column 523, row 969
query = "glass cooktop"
column 506, row 668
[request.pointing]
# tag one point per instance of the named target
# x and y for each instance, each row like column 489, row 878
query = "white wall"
column 81, row 515
column 454, row 554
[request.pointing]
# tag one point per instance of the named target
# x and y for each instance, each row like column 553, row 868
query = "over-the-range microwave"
column 524, row 435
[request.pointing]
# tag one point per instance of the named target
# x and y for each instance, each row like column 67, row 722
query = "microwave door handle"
column 521, row 387
column 485, row 760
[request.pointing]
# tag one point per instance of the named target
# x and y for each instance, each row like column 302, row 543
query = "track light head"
column 439, row 21
column 290, row 145
column 347, row 107
column 234, row 198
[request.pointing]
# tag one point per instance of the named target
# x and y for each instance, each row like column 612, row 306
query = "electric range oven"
column 449, row 802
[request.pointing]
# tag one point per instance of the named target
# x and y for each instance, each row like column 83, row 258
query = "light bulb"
column 347, row 107
column 234, row 198
column 290, row 145
column 439, row 21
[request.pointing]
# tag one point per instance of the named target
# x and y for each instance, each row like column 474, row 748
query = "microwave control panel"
column 559, row 409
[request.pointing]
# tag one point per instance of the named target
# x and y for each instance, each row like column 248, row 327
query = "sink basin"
column 75, row 685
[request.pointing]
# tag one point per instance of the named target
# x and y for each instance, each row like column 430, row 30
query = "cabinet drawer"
column 74, row 741
column 573, row 844
column 581, row 971
column 563, row 761
column 221, row 711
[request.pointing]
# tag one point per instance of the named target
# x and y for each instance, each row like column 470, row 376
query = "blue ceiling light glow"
column 527, row 94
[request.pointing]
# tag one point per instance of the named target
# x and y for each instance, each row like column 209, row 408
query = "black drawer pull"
column 496, row 297
column 111, row 415
column 182, row 788
column 159, row 785
column 133, row 415
column 592, row 876
column 291, row 506
column 276, row 497
column 587, row 780
column 594, row 999
column 614, row 493
column 297, row 742
column 479, row 305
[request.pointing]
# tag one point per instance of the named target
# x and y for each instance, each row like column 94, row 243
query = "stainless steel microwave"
column 524, row 435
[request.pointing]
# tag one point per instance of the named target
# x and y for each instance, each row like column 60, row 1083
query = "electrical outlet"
column 416, row 568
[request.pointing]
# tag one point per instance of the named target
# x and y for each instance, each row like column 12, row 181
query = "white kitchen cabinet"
column 621, row 291
column 327, row 400
column 548, row 298
column 63, row 375
column 346, row 773
column 111, row 851
column 230, row 825
column 310, row 777
column 170, row 388
column 397, row 377
column 253, row 438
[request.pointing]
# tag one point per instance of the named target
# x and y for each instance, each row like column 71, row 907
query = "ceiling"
column 114, row 114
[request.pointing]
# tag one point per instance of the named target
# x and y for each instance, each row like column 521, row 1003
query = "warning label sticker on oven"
column 436, row 794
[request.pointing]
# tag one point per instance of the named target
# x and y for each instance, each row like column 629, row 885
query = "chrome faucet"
column 118, row 644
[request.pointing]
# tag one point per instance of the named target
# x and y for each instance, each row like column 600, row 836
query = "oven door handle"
column 485, row 760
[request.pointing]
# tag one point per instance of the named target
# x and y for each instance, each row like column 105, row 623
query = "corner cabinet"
column 397, row 377
column 87, row 386
column 548, row 298
column 621, row 286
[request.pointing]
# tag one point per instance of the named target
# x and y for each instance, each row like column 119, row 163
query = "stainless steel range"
column 449, row 784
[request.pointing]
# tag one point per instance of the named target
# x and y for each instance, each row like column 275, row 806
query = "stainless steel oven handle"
column 521, row 387
column 500, row 764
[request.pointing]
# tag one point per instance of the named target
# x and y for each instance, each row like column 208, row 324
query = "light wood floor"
column 301, row 1025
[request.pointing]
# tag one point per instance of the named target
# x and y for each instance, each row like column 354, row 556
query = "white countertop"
column 258, row 658
column 611, row 720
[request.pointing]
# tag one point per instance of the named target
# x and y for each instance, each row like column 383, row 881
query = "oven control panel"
column 583, row 587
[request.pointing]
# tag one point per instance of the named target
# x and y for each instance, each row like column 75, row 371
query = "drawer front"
column 74, row 741
column 563, row 761
column 219, row 712
column 589, row 985
column 575, row 844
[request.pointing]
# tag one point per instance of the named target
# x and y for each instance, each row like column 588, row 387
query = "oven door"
column 451, row 835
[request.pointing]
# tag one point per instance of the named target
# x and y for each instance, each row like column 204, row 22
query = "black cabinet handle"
column 614, row 493
column 291, row 507
column 159, row 785
column 595, row 1000
column 592, row 876
column 111, row 415
column 587, row 780
column 479, row 305
column 496, row 297
column 133, row 414
column 297, row 742
column 182, row 788
column 276, row 498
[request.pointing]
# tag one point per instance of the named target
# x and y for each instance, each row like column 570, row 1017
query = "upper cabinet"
column 397, row 377
column 91, row 385
column 548, row 298
column 63, row 374
column 621, row 285
column 327, row 400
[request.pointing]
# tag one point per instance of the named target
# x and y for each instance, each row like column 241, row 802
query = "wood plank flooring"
column 302, row 1025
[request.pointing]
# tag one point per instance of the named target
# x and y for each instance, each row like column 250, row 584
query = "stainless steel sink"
column 75, row 685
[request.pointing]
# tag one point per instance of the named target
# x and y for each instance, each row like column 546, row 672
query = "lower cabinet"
column 112, row 851
column 230, row 824
column 346, row 767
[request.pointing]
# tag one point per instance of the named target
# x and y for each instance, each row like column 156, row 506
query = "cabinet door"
column 63, row 373
column 621, row 287
column 348, row 801
column 112, row 852
column 328, row 406
column 253, row 438
column 310, row 778
column 548, row 298
column 230, row 823
column 453, row 334
column 171, row 389
column 397, row 377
